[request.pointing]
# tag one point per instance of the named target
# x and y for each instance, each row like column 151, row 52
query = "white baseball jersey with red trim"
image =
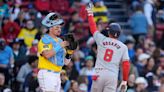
column 111, row 53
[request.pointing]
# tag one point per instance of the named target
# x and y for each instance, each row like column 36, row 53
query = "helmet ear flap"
column 114, row 33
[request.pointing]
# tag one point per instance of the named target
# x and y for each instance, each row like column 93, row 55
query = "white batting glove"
column 123, row 87
column 89, row 9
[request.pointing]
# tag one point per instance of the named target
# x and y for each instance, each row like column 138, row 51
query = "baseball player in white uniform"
column 111, row 55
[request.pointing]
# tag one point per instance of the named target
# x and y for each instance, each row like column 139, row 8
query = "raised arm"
column 92, row 24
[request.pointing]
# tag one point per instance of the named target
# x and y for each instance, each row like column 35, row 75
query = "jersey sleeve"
column 92, row 24
column 125, row 56
column 98, row 37
column 42, row 47
column 125, row 64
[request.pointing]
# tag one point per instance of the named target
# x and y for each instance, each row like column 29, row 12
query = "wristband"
column 68, row 56
column 124, row 82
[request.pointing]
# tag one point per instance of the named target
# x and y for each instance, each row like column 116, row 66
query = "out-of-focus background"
column 142, row 23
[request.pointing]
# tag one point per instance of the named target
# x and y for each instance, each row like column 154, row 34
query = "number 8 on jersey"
column 108, row 55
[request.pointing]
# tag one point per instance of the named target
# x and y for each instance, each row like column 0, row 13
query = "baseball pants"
column 49, row 81
column 106, row 82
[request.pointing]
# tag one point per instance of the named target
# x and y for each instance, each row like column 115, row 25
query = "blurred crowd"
column 21, row 29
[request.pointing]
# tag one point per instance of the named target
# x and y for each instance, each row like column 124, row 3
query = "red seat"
column 42, row 5
column 60, row 6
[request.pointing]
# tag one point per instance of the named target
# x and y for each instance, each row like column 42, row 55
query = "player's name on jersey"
column 112, row 44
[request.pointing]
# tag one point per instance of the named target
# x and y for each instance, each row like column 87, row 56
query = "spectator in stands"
column 150, row 13
column 131, row 83
column 3, row 87
column 25, row 4
column 19, row 54
column 158, row 71
column 141, row 84
column 73, row 21
column 156, row 55
column 23, row 46
column 142, row 61
column 133, row 70
column 20, row 58
column 79, row 53
column 153, row 83
column 65, row 82
column 149, row 46
column 20, row 20
column 26, row 69
column 35, row 16
column 100, row 11
column 4, row 9
column 99, row 24
column 34, row 49
column 31, row 82
column 14, row 10
column 93, row 51
column 149, row 67
column 83, row 84
column 71, row 71
column 88, row 70
column 74, row 86
column 77, row 61
column 28, row 33
column 3, row 12
column 138, row 23
column 41, row 32
column 10, row 30
column 6, row 59
column 78, row 27
column 138, row 51
column 131, row 51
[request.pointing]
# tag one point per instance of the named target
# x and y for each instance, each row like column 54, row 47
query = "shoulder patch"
column 45, row 46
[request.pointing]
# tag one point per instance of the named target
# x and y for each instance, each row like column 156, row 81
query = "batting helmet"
column 114, row 29
column 52, row 19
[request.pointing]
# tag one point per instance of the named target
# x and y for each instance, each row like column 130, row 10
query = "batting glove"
column 89, row 9
column 95, row 77
column 123, row 86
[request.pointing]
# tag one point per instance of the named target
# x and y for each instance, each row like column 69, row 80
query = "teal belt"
column 53, row 71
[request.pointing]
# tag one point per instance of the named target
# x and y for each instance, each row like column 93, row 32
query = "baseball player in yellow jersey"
column 52, row 54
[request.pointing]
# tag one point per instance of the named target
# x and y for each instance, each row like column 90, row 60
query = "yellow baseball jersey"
column 45, row 63
column 28, row 36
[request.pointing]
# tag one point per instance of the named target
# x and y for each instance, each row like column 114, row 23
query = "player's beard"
column 57, row 32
